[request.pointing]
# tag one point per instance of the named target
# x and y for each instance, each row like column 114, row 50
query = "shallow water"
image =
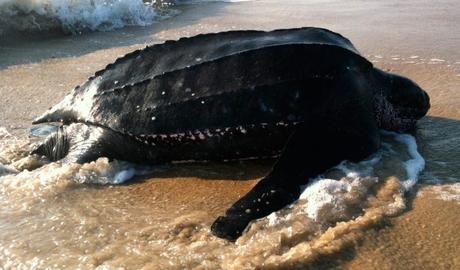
column 68, row 216
column 71, row 216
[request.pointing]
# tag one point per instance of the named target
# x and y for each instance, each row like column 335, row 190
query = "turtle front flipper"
column 309, row 151
column 273, row 192
column 340, row 131
column 266, row 197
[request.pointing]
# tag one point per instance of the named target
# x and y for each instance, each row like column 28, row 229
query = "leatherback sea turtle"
column 305, row 95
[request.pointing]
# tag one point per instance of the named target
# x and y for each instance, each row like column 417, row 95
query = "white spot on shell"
column 153, row 118
column 263, row 107
column 163, row 93
column 202, row 102
column 208, row 133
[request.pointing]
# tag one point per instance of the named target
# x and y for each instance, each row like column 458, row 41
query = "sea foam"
column 75, row 16
column 80, row 15
column 330, row 196
column 413, row 166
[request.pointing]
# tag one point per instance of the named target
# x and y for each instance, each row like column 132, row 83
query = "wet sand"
column 424, row 237
column 418, row 39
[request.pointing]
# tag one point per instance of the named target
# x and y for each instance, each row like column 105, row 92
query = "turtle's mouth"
column 395, row 118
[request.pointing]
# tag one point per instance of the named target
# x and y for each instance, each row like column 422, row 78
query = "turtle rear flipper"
column 55, row 146
column 82, row 143
column 75, row 143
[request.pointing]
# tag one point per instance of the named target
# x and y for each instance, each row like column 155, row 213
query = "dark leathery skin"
column 304, row 94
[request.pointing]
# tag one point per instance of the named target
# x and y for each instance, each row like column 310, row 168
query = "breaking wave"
column 75, row 16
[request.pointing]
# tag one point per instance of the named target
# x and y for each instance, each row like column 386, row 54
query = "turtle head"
column 398, row 102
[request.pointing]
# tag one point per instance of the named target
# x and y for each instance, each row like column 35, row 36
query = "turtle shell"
column 212, row 81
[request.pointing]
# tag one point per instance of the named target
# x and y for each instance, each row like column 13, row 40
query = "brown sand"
column 35, row 75
column 425, row 237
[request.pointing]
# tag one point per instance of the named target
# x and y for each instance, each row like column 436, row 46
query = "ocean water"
column 77, row 16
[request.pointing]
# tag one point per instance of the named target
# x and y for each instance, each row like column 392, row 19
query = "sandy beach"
column 418, row 39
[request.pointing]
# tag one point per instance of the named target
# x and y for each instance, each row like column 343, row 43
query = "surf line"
column 413, row 166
